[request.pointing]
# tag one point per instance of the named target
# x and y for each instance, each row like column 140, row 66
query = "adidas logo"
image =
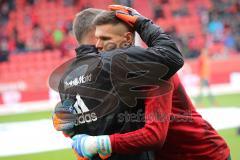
column 81, row 108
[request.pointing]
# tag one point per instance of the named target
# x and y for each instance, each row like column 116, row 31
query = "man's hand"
column 126, row 14
column 88, row 146
column 63, row 117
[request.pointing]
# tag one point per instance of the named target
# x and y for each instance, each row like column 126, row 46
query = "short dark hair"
column 83, row 22
column 109, row 17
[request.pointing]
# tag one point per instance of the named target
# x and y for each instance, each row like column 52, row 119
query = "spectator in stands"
column 4, row 12
column 20, row 45
column 17, row 44
column 6, row 44
column 229, row 39
column 124, row 2
column 11, row 4
column 67, row 26
column 215, row 27
column 58, row 36
column 28, row 17
column 31, row 2
column 4, row 49
column 68, row 3
column 193, row 46
column 157, row 12
column 164, row 1
column 236, row 30
column 182, row 11
column 204, row 16
column 67, row 44
column 180, row 40
column 48, row 41
column 238, row 42
column 35, row 43
column 213, row 19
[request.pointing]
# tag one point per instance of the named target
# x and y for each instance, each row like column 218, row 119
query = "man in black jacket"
column 91, row 86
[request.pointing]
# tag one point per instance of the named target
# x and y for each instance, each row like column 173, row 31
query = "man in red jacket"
column 189, row 136
column 174, row 133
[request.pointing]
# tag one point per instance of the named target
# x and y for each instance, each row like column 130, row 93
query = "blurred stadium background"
column 35, row 37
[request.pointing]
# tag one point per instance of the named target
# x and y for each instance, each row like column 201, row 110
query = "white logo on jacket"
column 79, row 80
column 81, row 108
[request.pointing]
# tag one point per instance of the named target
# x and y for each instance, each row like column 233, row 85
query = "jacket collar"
column 85, row 49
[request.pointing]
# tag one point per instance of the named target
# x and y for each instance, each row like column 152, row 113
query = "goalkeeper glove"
column 88, row 146
column 126, row 14
column 63, row 117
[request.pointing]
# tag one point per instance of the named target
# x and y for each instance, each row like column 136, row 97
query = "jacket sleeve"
column 161, row 47
column 152, row 135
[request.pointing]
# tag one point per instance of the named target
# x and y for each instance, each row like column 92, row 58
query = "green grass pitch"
column 230, row 135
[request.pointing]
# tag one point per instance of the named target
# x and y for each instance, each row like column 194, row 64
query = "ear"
column 129, row 37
